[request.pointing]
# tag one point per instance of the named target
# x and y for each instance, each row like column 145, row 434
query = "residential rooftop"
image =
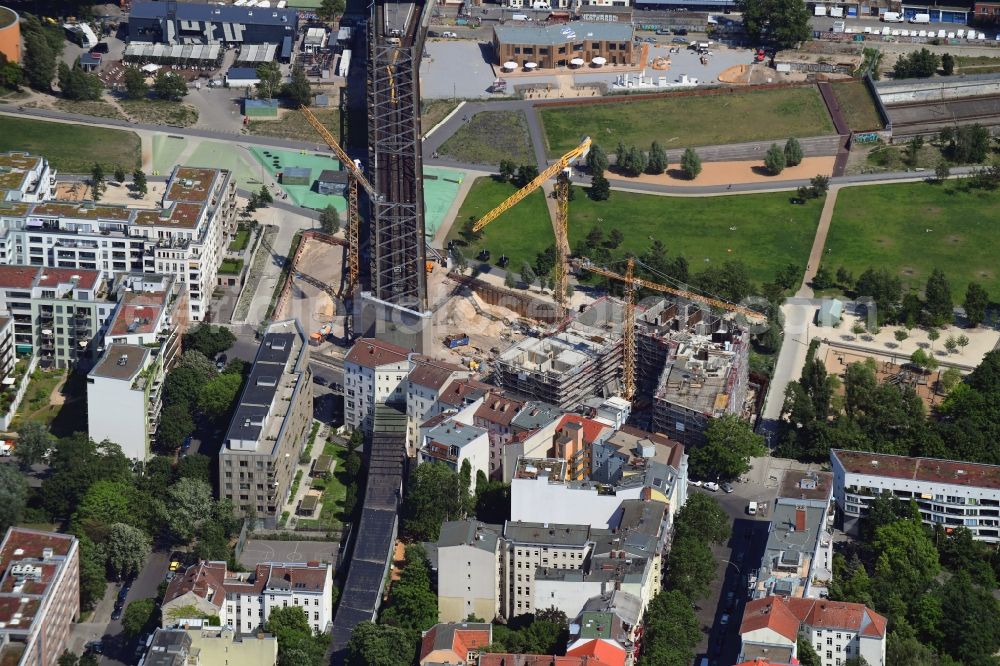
column 372, row 352
column 14, row 166
column 30, row 562
column 798, row 484
column 549, row 534
column 930, row 470
column 469, row 533
column 138, row 313
column 121, row 361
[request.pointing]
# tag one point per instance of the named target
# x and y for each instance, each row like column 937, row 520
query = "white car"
column 724, row 620
column 711, row 485
column 696, row 484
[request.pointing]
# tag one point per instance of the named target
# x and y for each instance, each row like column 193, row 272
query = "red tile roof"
column 53, row 277
column 498, row 409
column 608, row 653
column 458, row 390
column 432, row 373
column 784, row 616
column 17, row 277
column 920, row 469
column 371, row 353
column 591, row 429
column 199, row 579
column 765, row 662
column 460, row 639
column 507, row 659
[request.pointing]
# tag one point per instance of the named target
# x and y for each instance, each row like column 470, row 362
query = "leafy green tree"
column 186, row 504
column 726, row 455
column 905, row 560
column 947, row 64
column 850, row 581
column 492, row 501
column 135, row 83
column 379, row 645
column 434, row 495
column 139, row 182
column 942, row 171
column 209, row 340
column 793, row 152
column 970, row 144
column 615, row 238
column 297, row 645
column 13, row 496
column 67, row 658
column 820, row 185
column 412, row 603
column 264, row 197
column 77, row 462
column 657, row 160
column 104, row 504
column 461, row 261
column 920, row 64
column 976, row 301
column 269, row 80
column 11, row 74
column 702, row 517
column 783, row 23
column 774, row 159
column 88, row 659
column 807, row 653
column 216, row 398
column 600, row 188
column 900, row 335
column 119, row 174
column 298, row 91
column 39, row 60
column 671, row 631
column 33, row 441
column 969, row 611
column 329, row 10
column 597, row 160
column 329, row 220
column 139, row 616
column 77, row 84
column 690, row 568
column 884, row 289
column 509, row 280
column 525, row 174
column 127, row 548
column 528, row 276
column 690, row 164
column 170, row 86
column 93, row 571
column 96, row 181
column 937, row 298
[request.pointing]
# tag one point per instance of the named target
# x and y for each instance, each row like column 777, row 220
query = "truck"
column 892, row 17
column 457, row 340
column 920, row 18
column 838, row 26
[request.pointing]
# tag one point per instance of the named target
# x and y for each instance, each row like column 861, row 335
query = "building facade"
column 199, row 644
column 557, row 45
column 948, row 493
column 39, row 595
column 194, row 23
column 469, row 552
column 270, row 425
column 374, row 372
column 26, row 178
column 452, row 443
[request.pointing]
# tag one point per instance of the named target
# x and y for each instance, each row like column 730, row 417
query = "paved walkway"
column 819, row 242
column 305, row 483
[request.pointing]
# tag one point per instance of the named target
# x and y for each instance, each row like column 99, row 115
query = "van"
column 921, row 18
column 892, row 17
column 752, row 509
column 519, row 17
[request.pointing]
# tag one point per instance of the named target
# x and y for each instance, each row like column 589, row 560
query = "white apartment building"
column 947, row 492
column 531, row 547
column 374, row 372
column 452, row 442
column 184, row 238
column 244, row 601
column 838, row 630
column 426, row 382
column 469, row 551
column 26, row 178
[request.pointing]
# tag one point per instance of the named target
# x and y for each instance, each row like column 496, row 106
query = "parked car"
column 711, row 485
column 696, row 484
column 97, row 647
column 116, row 614
column 724, row 620
column 679, row 40
column 727, row 487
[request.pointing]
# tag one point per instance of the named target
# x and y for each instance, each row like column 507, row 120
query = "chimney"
column 800, row 519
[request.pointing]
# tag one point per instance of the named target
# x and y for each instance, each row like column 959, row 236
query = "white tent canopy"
column 150, row 68
column 599, row 60
column 577, row 62
column 510, row 64
column 530, row 65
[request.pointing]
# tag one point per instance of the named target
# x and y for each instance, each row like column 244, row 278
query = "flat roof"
column 191, row 184
column 931, row 470
column 797, row 484
column 217, row 13
column 564, row 33
column 138, row 313
column 121, row 361
column 552, row 534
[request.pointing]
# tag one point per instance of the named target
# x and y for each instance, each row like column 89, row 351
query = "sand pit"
column 748, row 171
column 317, row 273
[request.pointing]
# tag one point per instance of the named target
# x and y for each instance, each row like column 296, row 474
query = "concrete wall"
column 537, row 500
column 909, row 91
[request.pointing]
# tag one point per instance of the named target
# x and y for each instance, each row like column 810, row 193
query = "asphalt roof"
column 564, row 33
column 931, row 470
column 120, row 362
column 219, row 13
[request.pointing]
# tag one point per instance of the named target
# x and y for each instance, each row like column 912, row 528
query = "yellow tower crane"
column 356, row 176
column 561, row 277
column 632, row 284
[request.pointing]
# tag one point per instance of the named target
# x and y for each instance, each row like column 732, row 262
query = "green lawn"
column 231, row 267
column 491, row 136
column 519, row 233
column 769, row 232
column 334, row 491
column 71, row 148
column 887, row 226
column 240, row 241
column 857, row 105
column 678, row 121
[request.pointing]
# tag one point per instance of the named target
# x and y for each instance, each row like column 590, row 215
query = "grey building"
column 270, row 425
column 174, row 22
column 332, row 182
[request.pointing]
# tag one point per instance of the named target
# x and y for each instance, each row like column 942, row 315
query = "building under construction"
column 582, row 359
column 703, row 363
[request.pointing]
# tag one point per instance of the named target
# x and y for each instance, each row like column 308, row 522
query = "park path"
column 819, row 242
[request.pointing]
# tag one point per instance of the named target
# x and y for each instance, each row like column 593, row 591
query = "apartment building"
column 58, row 314
column 495, row 414
column 200, row 644
column 532, row 549
column 426, row 382
column 469, row 552
column 574, row 441
column 454, row 643
column 798, row 557
column 39, row 595
column 270, row 425
column 838, row 630
column 244, row 600
column 143, row 341
column 948, row 493
column 183, row 238
column 7, row 355
column 452, row 442
column 374, row 372
column 26, row 178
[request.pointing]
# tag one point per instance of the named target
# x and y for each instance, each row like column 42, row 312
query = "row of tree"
column 297, row 91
